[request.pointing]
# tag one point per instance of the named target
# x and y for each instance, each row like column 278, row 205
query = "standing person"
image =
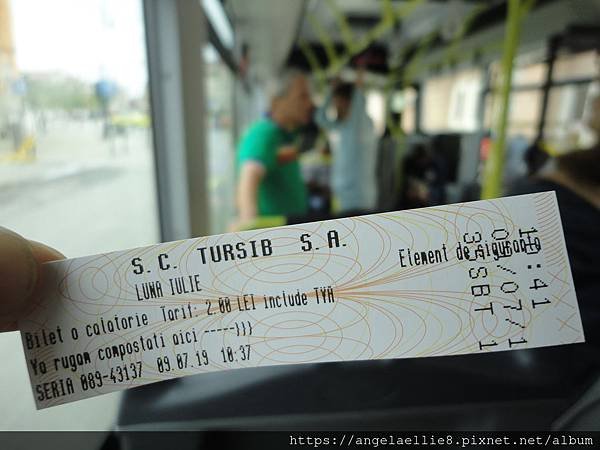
column 353, row 144
column 270, row 181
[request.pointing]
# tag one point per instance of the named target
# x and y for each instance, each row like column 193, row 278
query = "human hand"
column 20, row 262
column 286, row 154
column 335, row 82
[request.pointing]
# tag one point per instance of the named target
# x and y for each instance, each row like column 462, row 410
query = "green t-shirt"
column 282, row 191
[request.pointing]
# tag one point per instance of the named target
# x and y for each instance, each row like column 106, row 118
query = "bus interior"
column 466, row 97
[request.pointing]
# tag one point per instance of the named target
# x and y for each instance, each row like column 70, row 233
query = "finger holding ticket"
column 466, row 278
column 20, row 262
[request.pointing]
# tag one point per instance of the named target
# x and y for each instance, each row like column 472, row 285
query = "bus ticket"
column 483, row 276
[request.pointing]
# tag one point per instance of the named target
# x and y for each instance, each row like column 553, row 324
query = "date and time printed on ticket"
column 467, row 278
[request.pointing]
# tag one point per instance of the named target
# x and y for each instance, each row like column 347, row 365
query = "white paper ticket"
column 474, row 277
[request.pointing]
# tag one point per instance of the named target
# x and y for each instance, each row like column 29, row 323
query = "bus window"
column 76, row 154
column 464, row 101
column 450, row 102
column 376, row 109
column 532, row 74
column 219, row 140
column 574, row 73
column 525, row 99
column 436, row 103
column 409, row 113
column 563, row 117
column 578, row 65
column 404, row 103
column 524, row 113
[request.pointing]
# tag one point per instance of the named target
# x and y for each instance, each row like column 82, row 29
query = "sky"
column 87, row 39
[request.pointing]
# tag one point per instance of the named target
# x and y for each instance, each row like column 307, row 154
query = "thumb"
column 20, row 260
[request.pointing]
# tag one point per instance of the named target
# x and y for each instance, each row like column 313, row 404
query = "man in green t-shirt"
column 269, row 178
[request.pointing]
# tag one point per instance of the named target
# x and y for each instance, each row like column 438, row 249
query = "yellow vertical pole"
column 494, row 169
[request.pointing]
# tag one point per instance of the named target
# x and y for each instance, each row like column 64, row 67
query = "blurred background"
column 120, row 119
